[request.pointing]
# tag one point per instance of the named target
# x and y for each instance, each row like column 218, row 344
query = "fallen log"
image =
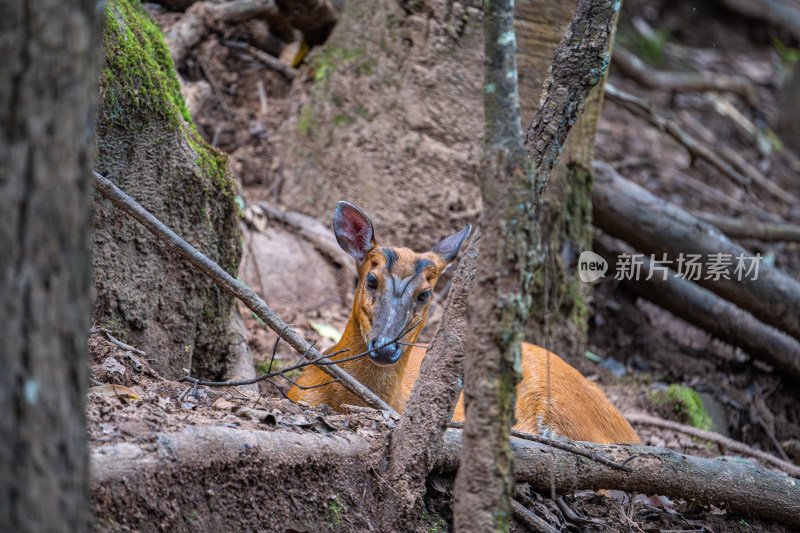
column 120, row 471
column 726, row 444
column 629, row 212
column 704, row 309
column 745, row 228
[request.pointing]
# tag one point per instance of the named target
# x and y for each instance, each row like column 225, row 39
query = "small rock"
column 112, row 366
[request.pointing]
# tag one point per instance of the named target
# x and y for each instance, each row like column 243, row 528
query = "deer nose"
column 383, row 351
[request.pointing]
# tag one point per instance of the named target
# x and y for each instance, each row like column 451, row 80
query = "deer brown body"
column 389, row 311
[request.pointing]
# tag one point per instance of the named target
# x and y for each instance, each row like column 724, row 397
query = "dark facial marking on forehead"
column 391, row 257
column 422, row 264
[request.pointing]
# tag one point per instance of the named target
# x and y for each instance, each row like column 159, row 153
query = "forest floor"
column 637, row 348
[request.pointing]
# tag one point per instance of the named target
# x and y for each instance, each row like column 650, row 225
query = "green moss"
column 686, row 403
column 139, row 79
column 138, row 76
column 333, row 514
column 114, row 325
column 434, row 523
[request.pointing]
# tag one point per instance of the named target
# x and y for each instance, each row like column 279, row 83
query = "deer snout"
column 383, row 351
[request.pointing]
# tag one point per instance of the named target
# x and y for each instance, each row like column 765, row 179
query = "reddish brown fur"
column 578, row 408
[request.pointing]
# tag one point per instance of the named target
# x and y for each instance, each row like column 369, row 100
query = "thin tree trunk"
column 485, row 483
column 50, row 51
column 565, row 210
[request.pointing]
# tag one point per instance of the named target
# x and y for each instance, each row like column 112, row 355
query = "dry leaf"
column 114, row 391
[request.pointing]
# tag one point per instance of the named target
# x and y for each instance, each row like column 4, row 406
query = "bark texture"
column 652, row 226
column 51, row 55
column 149, row 148
column 484, row 484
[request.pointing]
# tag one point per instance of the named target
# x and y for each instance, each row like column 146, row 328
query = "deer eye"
column 423, row 297
column 372, row 281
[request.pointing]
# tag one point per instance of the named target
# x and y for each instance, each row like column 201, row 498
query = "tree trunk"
column 500, row 306
column 565, row 207
column 395, row 90
column 149, row 148
column 48, row 75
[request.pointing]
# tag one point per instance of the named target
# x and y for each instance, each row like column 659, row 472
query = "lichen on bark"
column 148, row 145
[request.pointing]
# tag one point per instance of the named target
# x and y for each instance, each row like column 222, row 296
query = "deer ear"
column 353, row 231
column 449, row 247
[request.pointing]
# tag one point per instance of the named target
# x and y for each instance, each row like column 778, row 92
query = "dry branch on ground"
column 695, row 147
column 745, row 228
column 636, row 69
column 727, row 444
column 706, row 310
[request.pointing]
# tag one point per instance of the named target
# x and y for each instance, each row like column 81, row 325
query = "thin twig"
column 232, row 287
column 288, row 72
column 695, row 148
column 558, row 445
column 724, row 442
column 299, row 365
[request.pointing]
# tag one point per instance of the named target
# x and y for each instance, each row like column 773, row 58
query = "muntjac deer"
column 393, row 296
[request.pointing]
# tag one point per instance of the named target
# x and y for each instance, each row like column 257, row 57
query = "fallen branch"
column 743, row 228
column 121, row 467
column 636, row 69
column 559, row 445
column 652, row 226
column 288, row 72
column 704, row 309
column 233, row 287
column 727, row 444
column 744, row 125
column 696, row 148
column 202, row 17
column 738, row 161
column 530, row 519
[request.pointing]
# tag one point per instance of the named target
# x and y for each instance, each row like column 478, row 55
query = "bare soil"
column 746, row 400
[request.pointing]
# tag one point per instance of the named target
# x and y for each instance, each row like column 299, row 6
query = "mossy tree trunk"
column 148, row 146
column 566, row 207
column 48, row 89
